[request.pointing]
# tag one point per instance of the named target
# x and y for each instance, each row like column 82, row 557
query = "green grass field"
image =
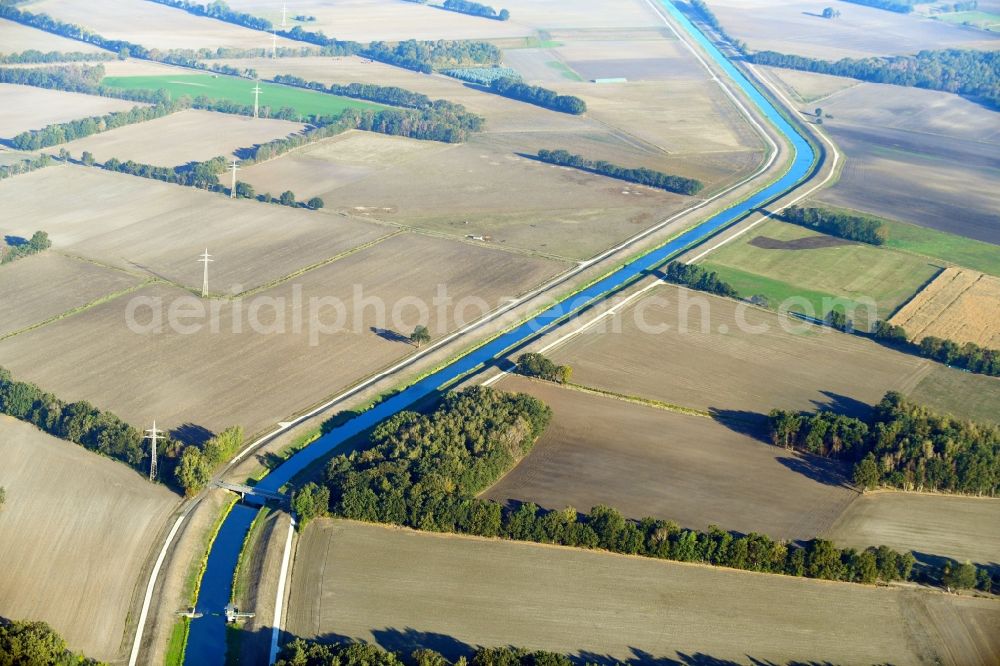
column 306, row 102
column 981, row 20
column 565, row 70
column 851, row 272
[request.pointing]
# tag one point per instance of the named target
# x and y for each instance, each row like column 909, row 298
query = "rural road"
column 803, row 167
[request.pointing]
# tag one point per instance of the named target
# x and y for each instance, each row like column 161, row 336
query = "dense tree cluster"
column 38, row 242
column 483, row 76
column 77, row 129
column 425, row 56
column 203, row 175
column 852, row 227
column 196, row 464
column 903, row 445
column 642, row 175
column 536, row 365
column 29, row 643
column 696, row 277
column 537, row 95
column 33, row 57
column 703, row 12
column 968, row 356
column 27, row 165
column 78, row 422
column 310, row 501
column 476, row 9
column 898, row 6
column 424, row 471
column 966, row 72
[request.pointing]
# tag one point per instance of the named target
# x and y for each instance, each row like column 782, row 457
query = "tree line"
column 38, row 242
column 483, row 76
column 696, row 277
column 705, row 13
column 32, row 56
column 476, row 9
column 537, row 95
column 966, row 72
column 26, row 165
column 642, row 175
column 968, row 356
column 425, row 56
column 842, row 225
column 537, row 365
column 300, row 652
column 425, row 470
column 902, row 445
column 221, row 11
column 57, row 133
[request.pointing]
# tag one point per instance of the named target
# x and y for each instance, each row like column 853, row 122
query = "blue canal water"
column 207, row 638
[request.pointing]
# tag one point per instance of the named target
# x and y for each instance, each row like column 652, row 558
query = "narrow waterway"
column 207, row 639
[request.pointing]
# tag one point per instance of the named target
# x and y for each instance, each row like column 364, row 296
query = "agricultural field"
column 919, row 156
column 962, row 394
column 401, row 589
column 154, row 26
column 788, row 263
column 807, row 87
column 28, row 108
column 182, row 137
column 158, row 228
column 959, row 305
column 721, row 355
column 75, row 533
column 976, row 19
column 647, row 461
column 798, row 27
column 265, row 359
column 232, row 89
column 15, row 38
column 962, row 528
column 38, row 288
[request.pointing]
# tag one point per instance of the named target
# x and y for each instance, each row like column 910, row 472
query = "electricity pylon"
column 206, row 258
column 256, row 98
column 284, row 11
column 152, row 434
column 234, row 166
column 274, row 43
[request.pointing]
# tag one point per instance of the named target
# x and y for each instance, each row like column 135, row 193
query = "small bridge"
column 250, row 493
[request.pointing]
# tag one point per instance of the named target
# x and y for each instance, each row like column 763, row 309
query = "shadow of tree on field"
column 842, row 404
column 390, row 335
column 751, row 424
column 191, row 433
column 823, row 470
column 410, row 639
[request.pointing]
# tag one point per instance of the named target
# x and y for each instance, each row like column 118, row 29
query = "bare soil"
column 15, row 38
column 805, row 243
column 75, row 533
column 711, row 358
column 264, row 367
column 404, row 589
column 182, row 137
column 28, row 108
column 959, row 305
column 646, row 461
column 34, row 289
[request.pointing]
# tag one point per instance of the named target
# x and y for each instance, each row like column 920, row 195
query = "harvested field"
column 739, row 358
column 27, row 108
column 963, row 528
column 808, row 87
column 266, row 359
column 75, row 533
column 159, row 228
column 855, row 272
column 154, row 25
column 959, row 305
column 15, row 38
column 182, row 137
column 646, row 461
column 37, row 288
column 798, row 27
column 402, row 589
